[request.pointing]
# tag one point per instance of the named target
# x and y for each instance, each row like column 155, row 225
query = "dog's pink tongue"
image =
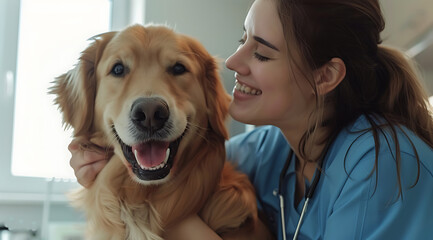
column 150, row 154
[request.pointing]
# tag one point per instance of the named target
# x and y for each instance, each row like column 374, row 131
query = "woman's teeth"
column 246, row 89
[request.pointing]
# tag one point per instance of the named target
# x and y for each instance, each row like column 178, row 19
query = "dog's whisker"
column 191, row 126
column 112, row 141
column 198, row 127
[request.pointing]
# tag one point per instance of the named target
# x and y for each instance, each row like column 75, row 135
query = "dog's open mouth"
column 150, row 160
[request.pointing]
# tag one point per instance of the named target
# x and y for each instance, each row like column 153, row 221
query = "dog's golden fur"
column 96, row 104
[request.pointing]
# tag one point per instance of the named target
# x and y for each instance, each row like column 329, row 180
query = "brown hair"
column 379, row 82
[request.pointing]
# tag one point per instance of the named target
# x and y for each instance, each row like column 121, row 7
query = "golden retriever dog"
column 154, row 96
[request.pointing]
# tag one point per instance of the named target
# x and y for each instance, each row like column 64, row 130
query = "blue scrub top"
column 351, row 201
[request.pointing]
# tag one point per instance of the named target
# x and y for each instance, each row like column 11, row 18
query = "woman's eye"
column 261, row 58
column 241, row 41
column 118, row 70
column 177, row 69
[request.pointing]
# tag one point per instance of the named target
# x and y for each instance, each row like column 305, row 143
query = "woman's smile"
column 245, row 89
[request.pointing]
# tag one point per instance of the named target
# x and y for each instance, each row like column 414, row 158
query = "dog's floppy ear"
column 217, row 99
column 76, row 90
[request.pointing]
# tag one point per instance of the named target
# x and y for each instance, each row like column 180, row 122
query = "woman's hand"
column 87, row 162
column 191, row 228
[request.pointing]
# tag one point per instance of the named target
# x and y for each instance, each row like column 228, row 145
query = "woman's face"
column 267, row 91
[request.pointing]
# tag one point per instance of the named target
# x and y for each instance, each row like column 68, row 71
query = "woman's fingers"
column 86, row 162
column 86, row 174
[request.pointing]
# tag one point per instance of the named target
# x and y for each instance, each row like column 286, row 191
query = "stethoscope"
column 308, row 195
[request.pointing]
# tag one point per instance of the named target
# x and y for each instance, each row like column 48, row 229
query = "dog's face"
column 151, row 92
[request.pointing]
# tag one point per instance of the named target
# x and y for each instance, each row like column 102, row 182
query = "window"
column 52, row 33
column 40, row 40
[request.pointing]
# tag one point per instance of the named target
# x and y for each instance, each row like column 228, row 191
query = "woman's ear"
column 329, row 75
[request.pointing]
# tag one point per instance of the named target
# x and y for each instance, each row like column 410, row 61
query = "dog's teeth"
column 136, row 158
column 135, row 154
column 167, row 154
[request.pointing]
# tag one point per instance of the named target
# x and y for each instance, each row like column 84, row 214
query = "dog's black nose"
column 149, row 114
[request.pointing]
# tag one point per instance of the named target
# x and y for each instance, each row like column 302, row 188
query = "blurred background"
column 41, row 39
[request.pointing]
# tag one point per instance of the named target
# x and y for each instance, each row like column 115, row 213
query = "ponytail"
column 404, row 100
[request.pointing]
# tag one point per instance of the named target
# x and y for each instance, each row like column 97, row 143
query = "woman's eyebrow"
column 266, row 43
column 263, row 41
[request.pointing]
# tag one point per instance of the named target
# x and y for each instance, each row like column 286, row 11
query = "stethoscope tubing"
column 304, row 207
column 308, row 195
column 304, row 210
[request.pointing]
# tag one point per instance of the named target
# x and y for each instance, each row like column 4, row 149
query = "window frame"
column 18, row 189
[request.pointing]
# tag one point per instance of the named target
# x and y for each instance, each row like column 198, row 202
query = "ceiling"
column 406, row 21
column 409, row 26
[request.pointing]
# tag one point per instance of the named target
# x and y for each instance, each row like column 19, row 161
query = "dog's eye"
column 178, row 69
column 118, row 70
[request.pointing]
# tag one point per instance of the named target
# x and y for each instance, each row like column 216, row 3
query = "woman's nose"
column 237, row 62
